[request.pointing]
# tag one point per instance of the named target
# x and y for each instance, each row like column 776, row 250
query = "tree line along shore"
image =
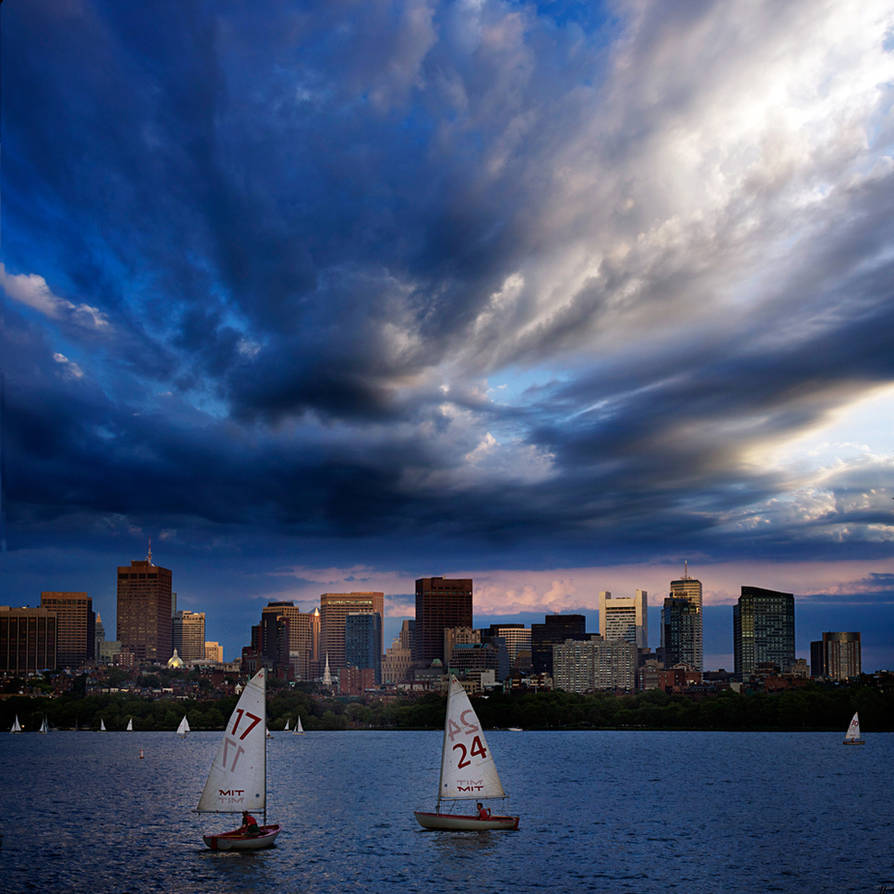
column 812, row 707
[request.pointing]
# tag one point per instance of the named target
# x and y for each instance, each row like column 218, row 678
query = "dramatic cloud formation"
column 423, row 288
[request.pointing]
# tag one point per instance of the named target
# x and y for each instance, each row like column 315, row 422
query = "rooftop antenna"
column 149, row 554
column 685, row 569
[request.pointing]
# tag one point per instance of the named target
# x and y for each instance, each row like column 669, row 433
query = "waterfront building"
column 144, row 610
column 624, row 618
column 441, row 603
column 397, row 662
column 363, row 642
column 27, row 639
column 679, row 620
column 188, row 635
column 837, row 656
column 554, row 630
column 518, row 643
column 691, row 649
column 595, row 664
column 75, row 626
column 334, row 610
column 763, row 631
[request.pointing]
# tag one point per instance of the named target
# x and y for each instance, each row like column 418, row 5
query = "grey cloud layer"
column 323, row 238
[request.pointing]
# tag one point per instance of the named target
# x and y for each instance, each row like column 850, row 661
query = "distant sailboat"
column 237, row 780
column 129, row 727
column 102, row 726
column 468, row 771
column 852, row 736
column 16, row 726
column 299, row 729
column 44, row 728
column 285, row 729
column 183, row 729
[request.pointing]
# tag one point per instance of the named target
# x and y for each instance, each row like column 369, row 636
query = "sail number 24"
column 468, row 727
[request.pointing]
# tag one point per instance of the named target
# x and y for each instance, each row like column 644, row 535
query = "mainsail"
column 44, row 728
column 299, row 729
column 129, row 725
column 102, row 725
column 468, row 771
column 16, row 726
column 183, row 729
column 853, row 731
column 238, row 777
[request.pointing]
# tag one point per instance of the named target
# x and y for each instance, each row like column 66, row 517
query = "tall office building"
column 680, row 619
column 691, row 649
column 363, row 642
column 334, row 610
column 595, row 664
column 554, row 630
column 75, row 626
column 763, row 631
column 441, row 603
column 836, row 656
column 99, row 636
column 188, row 635
column 291, row 637
column 27, row 639
column 144, row 610
column 213, row 652
column 518, row 643
column 625, row 618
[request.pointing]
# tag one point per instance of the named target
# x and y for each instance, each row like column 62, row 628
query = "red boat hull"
column 236, row 841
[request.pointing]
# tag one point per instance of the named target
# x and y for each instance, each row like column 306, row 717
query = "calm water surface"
column 600, row 811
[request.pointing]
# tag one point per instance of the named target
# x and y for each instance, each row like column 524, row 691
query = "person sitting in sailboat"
column 249, row 824
column 483, row 812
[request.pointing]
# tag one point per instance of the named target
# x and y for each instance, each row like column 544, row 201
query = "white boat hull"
column 458, row 823
column 236, row 841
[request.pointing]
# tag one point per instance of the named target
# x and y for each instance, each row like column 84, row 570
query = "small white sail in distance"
column 468, row 771
column 237, row 779
column 286, row 727
column 16, row 726
column 102, row 725
column 853, row 730
column 44, row 727
column 129, row 728
column 183, row 729
column 298, row 727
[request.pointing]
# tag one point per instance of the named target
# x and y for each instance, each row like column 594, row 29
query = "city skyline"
column 553, row 297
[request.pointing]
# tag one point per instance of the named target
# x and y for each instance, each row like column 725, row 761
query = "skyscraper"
column 679, row 620
column 334, row 610
column 27, row 639
column 144, row 610
column 291, row 637
column 75, row 626
column 595, row 664
column 554, row 630
column 624, row 618
column 188, row 635
column 690, row 650
column 440, row 603
column 518, row 643
column 763, row 630
column 363, row 642
column 836, row 656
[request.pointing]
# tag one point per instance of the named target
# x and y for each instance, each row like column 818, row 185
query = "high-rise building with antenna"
column 681, row 623
column 144, row 609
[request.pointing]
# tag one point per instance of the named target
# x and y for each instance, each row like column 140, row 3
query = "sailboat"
column 183, row 729
column 129, row 727
column 299, row 729
column 102, row 725
column 852, row 736
column 237, row 780
column 44, row 727
column 16, row 726
column 468, row 771
column 285, row 729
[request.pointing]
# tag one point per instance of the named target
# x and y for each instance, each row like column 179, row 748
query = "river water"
column 600, row 811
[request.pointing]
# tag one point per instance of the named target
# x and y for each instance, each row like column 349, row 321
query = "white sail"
column 44, row 728
column 468, row 771
column 16, row 726
column 299, row 729
column 129, row 728
column 102, row 725
column 286, row 727
column 183, row 729
column 238, row 777
column 853, row 731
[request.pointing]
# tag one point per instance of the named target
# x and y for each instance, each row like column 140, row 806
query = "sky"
column 330, row 296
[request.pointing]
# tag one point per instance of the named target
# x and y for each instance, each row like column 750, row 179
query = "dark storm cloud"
column 317, row 237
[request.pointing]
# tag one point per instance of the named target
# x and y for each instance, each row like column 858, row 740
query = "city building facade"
column 624, row 618
column 441, row 603
column 75, row 626
column 27, row 639
column 595, row 664
column 363, row 642
column 554, row 630
column 691, row 645
column 334, row 610
column 188, row 635
column 763, row 631
column 144, row 610
column 837, row 656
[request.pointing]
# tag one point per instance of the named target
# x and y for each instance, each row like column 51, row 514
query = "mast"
column 444, row 743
